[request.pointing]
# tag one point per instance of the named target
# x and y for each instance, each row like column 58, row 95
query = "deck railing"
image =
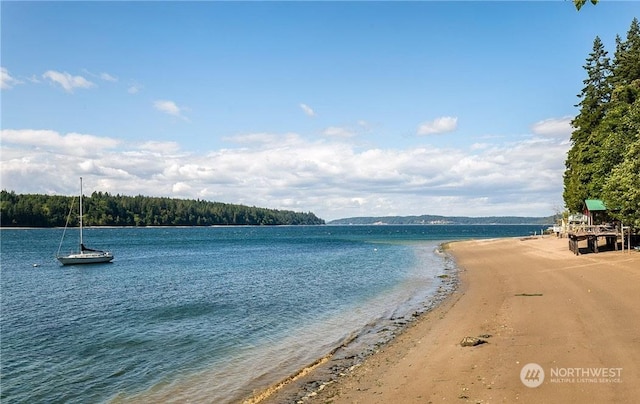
column 591, row 234
column 597, row 229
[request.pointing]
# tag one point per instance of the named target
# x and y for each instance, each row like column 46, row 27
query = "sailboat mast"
column 81, row 214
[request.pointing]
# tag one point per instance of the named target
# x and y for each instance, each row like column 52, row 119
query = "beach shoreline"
column 533, row 302
column 352, row 353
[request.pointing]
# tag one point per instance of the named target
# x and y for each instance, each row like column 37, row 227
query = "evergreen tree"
column 626, row 63
column 621, row 167
column 622, row 189
column 604, row 159
column 586, row 143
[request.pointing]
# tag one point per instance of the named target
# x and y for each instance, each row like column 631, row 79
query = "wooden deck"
column 592, row 234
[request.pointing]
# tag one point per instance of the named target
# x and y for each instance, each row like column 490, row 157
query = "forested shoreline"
column 103, row 209
column 604, row 159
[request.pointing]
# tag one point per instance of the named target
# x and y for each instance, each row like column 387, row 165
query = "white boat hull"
column 86, row 258
column 86, row 255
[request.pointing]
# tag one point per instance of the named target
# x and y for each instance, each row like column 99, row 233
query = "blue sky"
column 343, row 109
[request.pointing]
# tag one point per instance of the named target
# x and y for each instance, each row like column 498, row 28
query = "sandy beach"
column 532, row 301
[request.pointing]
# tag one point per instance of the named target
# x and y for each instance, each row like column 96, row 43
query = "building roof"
column 594, row 204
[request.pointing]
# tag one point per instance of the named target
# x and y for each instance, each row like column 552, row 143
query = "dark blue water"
column 203, row 314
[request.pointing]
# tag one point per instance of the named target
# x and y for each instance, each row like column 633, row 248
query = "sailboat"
column 85, row 255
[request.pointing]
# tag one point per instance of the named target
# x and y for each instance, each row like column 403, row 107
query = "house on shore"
column 595, row 211
column 597, row 225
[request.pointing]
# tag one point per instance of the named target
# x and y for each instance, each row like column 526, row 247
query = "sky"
column 342, row 109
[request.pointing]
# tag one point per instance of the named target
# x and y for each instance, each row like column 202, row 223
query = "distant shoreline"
column 161, row 227
column 278, row 225
column 435, row 220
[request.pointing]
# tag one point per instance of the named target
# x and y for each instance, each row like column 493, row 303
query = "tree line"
column 604, row 159
column 103, row 209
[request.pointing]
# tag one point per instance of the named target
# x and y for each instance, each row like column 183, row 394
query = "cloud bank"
column 554, row 127
column 330, row 176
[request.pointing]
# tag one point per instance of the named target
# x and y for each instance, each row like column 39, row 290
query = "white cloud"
column 71, row 143
column 331, row 178
column 108, row 77
column 134, row 89
column 160, row 147
column 102, row 76
column 443, row 124
column 170, row 108
column 6, row 80
column 338, row 132
column 307, row 110
column 67, row 81
column 553, row 127
column 266, row 140
column 359, row 128
column 180, row 188
column 479, row 146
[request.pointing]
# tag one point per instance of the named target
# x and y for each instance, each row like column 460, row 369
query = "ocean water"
column 204, row 314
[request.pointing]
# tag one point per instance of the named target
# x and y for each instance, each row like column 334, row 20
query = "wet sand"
column 572, row 315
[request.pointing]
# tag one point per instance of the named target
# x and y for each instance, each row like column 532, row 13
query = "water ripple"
column 182, row 307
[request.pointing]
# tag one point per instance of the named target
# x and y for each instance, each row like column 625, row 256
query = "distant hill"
column 103, row 209
column 452, row 220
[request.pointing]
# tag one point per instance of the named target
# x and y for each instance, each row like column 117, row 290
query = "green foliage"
column 103, row 209
column 603, row 160
column 580, row 3
column 626, row 67
column 622, row 188
column 595, row 97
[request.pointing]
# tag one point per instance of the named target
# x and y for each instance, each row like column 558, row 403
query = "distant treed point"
column 103, row 209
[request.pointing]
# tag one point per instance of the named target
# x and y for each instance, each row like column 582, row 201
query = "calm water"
column 203, row 314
